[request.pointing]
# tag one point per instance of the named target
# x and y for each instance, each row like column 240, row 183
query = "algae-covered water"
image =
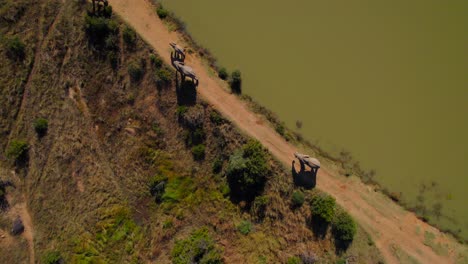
column 385, row 80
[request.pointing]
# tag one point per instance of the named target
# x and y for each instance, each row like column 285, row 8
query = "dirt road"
column 391, row 227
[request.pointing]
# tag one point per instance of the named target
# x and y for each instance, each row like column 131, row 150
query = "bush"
column 217, row 165
column 112, row 42
column 135, row 71
column 99, row 28
column 294, row 260
column 113, row 59
column 41, row 125
column 157, row 187
column 162, row 12
column 198, row 248
column 51, row 257
column 181, row 110
column 344, row 227
column 129, row 36
column 236, row 82
column 17, row 150
column 223, row 74
column 247, row 170
column 245, row 227
column 107, row 12
column 323, row 207
column 216, row 118
column 156, row 61
column 198, row 152
column 259, row 206
column 15, row 49
column 163, row 77
column 297, row 199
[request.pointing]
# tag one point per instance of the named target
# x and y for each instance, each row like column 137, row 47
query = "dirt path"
column 20, row 209
column 391, row 227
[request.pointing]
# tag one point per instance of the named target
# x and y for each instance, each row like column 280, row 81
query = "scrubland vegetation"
column 130, row 168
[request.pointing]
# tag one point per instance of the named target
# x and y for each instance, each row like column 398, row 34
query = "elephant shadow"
column 304, row 178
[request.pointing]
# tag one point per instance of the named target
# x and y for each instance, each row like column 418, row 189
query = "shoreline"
column 344, row 159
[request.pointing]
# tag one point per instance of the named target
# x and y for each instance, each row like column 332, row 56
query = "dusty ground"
column 392, row 228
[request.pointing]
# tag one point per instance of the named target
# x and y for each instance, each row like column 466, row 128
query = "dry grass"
column 86, row 183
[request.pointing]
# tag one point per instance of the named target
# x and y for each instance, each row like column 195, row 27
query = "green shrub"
column 181, row 110
column 236, row 82
column 294, row 260
column 297, row 198
column 41, row 125
column 343, row 227
column 156, row 61
column 217, row 165
column 51, row 257
column 15, row 48
column 225, row 190
column 99, row 28
column 198, row 248
column 113, row 59
column 162, row 12
column 341, row 261
column 107, row 12
column 223, row 74
column 157, row 187
column 247, row 170
column 245, row 227
column 112, row 42
column 17, row 150
column 259, row 206
column 135, row 71
column 163, row 77
column 129, row 36
column 323, row 207
column 198, row 152
column 216, row 118
column 280, row 129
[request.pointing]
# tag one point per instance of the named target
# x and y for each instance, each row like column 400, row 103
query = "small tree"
column 223, row 73
column 135, row 71
column 163, row 77
column 162, row 12
column 198, row 152
column 247, row 170
column 15, row 48
column 297, row 199
column 236, row 82
column 41, row 125
column 323, row 207
column 344, row 227
column 17, row 150
column 217, row 165
column 129, row 36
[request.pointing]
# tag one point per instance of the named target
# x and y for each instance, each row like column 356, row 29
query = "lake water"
column 385, row 80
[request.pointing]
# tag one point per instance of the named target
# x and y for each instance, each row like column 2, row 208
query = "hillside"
column 88, row 186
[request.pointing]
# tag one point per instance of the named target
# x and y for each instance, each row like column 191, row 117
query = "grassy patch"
column 199, row 247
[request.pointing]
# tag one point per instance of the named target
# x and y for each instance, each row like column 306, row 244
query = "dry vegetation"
column 117, row 126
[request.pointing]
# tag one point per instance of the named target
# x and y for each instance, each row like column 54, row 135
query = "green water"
column 385, row 80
